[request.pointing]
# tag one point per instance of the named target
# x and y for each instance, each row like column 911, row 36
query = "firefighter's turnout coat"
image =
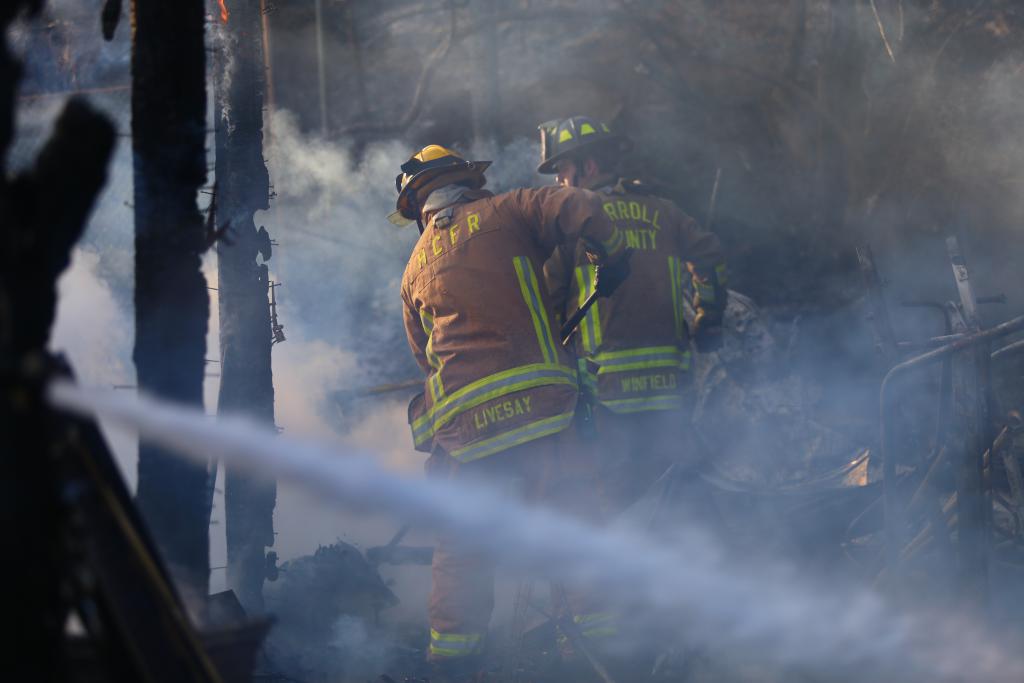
column 633, row 347
column 481, row 323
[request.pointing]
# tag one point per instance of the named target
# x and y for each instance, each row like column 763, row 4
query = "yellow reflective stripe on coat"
column 454, row 644
column 530, row 289
column 639, row 405
column 590, row 326
column 675, row 277
column 434, row 382
column 642, row 359
column 487, row 389
column 514, row 437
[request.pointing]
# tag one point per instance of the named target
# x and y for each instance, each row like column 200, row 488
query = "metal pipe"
column 1015, row 346
column 934, row 341
column 713, row 201
column 893, row 512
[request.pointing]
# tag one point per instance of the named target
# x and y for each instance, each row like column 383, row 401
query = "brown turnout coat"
column 636, row 342
column 480, row 321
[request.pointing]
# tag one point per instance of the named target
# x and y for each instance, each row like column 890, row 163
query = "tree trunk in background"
column 246, row 382
column 171, row 301
column 486, row 95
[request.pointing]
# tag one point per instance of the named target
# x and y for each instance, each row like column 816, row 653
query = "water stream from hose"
column 687, row 588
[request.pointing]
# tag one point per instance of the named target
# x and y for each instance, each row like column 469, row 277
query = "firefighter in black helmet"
column 576, row 138
column 634, row 347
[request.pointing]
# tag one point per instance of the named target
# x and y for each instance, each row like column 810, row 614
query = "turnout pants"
column 552, row 470
column 634, row 449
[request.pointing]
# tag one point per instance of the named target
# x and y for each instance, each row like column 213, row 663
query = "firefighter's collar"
column 445, row 196
column 613, row 186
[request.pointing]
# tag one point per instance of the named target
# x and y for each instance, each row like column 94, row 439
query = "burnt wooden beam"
column 972, row 411
column 246, row 337
column 171, row 301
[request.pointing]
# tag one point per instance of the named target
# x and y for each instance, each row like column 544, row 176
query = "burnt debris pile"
column 856, row 443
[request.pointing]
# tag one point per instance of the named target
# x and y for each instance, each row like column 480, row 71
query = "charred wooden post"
column 885, row 344
column 246, row 335
column 971, row 405
column 881, row 325
column 171, row 300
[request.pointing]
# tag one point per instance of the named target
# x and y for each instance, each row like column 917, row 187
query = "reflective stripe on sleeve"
column 454, row 644
column 434, row 381
column 531, row 295
column 675, row 277
column 642, row 359
column 486, row 389
column 590, row 326
column 514, row 437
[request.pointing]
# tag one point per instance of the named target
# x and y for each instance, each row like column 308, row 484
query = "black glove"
column 611, row 275
column 707, row 331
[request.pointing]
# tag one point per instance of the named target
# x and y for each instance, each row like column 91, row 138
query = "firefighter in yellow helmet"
column 500, row 394
column 634, row 347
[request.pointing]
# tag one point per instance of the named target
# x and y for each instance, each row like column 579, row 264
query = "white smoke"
column 94, row 331
column 90, row 327
column 769, row 609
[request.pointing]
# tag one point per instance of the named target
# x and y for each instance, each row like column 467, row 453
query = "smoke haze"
column 773, row 609
column 823, row 141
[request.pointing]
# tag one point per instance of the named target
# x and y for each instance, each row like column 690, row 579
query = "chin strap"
column 419, row 213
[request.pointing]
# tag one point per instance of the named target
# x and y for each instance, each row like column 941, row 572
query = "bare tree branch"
column 413, row 111
column 881, row 30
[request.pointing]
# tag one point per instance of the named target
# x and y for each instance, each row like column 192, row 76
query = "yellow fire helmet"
column 432, row 167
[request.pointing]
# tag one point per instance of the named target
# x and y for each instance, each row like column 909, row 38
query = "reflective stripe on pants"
column 514, row 437
column 596, row 624
column 462, row 594
column 451, row 645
